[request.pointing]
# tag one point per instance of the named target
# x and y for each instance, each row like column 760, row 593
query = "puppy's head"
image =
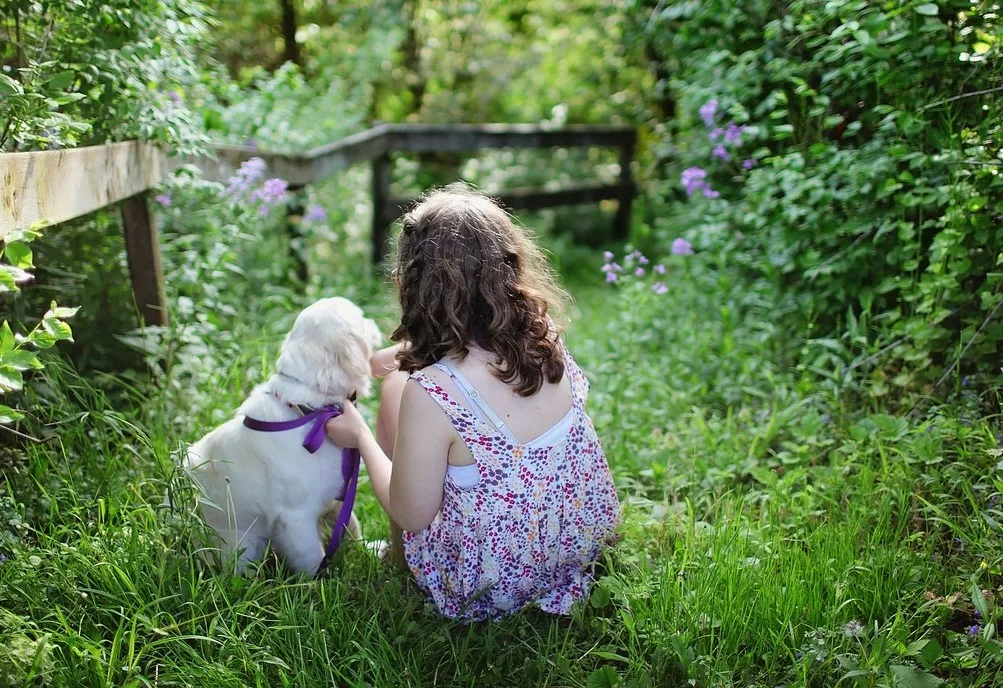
column 329, row 347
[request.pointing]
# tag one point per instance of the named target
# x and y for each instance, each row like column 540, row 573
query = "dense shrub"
column 860, row 173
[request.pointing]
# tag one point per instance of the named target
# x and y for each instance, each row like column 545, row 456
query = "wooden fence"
column 51, row 187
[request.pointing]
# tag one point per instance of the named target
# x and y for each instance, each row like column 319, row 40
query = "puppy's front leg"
column 296, row 540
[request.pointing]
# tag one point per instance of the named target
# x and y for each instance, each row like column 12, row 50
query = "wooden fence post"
column 621, row 221
column 381, row 199
column 142, row 248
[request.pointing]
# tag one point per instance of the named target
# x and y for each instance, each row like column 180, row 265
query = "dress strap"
column 472, row 396
column 579, row 383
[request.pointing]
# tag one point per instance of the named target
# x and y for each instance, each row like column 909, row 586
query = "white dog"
column 263, row 487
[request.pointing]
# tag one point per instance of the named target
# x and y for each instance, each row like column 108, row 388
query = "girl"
column 498, row 479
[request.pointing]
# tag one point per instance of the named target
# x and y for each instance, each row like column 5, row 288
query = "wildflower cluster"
column 725, row 139
column 247, row 183
column 635, row 263
column 315, row 213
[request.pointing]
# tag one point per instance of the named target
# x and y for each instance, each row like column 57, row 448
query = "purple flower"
column 608, row 267
column 973, row 630
column 247, row 175
column 825, row 419
column 608, row 256
column 163, row 199
column 708, row 113
column 642, row 260
column 710, row 193
column 272, row 191
column 977, row 614
column 611, row 277
column 315, row 213
column 721, row 152
column 616, row 267
column 733, row 134
column 3, row 558
column 681, row 247
column 252, row 144
column 659, row 288
column 694, row 178
column 659, row 269
column 799, row 654
column 748, row 164
column 175, row 97
column 716, row 133
column 639, row 272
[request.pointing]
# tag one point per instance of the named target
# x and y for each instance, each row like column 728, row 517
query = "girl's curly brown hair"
column 467, row 274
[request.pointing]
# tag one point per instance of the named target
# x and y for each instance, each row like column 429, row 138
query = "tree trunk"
column 292, row 49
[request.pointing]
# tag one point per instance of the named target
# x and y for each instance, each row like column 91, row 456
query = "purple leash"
column 350, row 459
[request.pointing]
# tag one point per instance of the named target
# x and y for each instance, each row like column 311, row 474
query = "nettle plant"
column 18, row 352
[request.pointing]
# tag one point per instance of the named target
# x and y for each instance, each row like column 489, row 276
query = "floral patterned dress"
column 528, row 525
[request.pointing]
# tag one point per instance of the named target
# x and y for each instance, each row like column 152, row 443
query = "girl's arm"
column 410, row 488
column 385, row 360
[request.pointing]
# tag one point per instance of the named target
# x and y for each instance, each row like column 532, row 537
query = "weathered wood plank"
column 56, row 186
column 323, row 161
column 423, row 138
column 342, row 154
column 142, row 248
column 227, row 159
column 535, row 199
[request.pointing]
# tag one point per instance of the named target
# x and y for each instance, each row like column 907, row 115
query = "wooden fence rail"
column 50, row 187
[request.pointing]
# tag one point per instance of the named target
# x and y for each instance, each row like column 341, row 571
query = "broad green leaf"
column 18, row 275
column 61, row 80
column 18, row 254
column 603, row 677
column 928, row 9
column 7, row 282
column 25, row 234
column 20, row 359
column 9, row 87
column 9, row 415
column 10, row 379
column 41, row 339
column 60, row 311
column 7, row 341
column 57, row 328
column 928, row 651
column 911, row 677
column 978, row 599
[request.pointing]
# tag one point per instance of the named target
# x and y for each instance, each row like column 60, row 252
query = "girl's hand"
column 348, row 429
column 384, row 361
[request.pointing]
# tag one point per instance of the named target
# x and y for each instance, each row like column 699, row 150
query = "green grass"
column 762, row 516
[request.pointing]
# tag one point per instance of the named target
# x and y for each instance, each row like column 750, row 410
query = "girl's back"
column 497, row 471
column 528, row 499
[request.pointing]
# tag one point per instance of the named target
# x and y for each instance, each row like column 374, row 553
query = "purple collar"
column 350, row 460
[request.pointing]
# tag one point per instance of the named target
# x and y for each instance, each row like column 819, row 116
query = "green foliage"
column 17, row 351
column 874, row 199
column 76, row 73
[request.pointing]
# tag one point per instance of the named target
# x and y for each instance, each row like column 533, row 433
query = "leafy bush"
column 16, row 355
column 871, row 192
column 91, row 72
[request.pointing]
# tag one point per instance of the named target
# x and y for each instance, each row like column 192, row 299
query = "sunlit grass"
column 761, row 518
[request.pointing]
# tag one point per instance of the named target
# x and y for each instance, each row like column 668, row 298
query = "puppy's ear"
column 353, row 361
